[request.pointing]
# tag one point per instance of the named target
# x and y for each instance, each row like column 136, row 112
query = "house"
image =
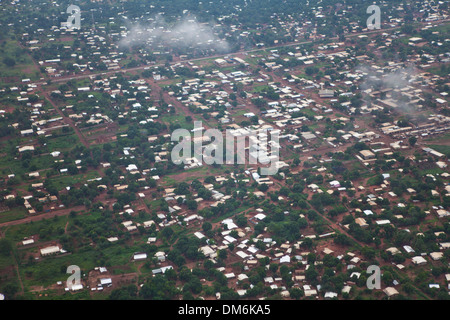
column 199, row 235
column 26, row 132
column 418, row 260
column 436, row 255
column 367, row 154
column 207, row 251
column 151, row 240
column 139, row 256
column 309, row 292
column 26, row 148
column 230, row 224
column 346, row 289
column 220, row 62
column 28, row 241
column 50, row 250
column 313, row 187
column 75, row 287
column 161, row 256
column 393, row 250
column 161, row 270
column 442, row 213
column 335, row 184
column 381, row 222
column 330, row 295
column 106, row 282
column 325, row 93
column 390, row 291
column 112, row 239
column 230, row 275
column 408, row 249
column 260, row 216
column 361, row 222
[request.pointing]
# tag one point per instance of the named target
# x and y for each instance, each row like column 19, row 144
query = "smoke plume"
column 399, row 78
column 183, row 34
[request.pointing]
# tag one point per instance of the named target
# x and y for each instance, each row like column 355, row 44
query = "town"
column 89, row 179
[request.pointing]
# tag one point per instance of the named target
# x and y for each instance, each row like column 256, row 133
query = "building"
column 207, row 251
column 419, row 260
column 220, row 62
column 49, row 250
column 106, row 282
column 325, row 93
column 139, row 256
column 367, row 154
column 26, row 148
column 390, row 291
column 361, row 222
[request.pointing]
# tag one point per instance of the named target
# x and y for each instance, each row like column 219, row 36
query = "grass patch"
column 13, row 214
column 371, row 181
column 63, row 142
column 23, row 65
column 260, row 88
column 433, row 171
column 442, row 149
column 153, row 204
column 309, row 112
column 19, row 232
column 444, row 137
column 179, row 119
column 51, row 269
column 230, row 214
column 200, row 172
column 68, row 180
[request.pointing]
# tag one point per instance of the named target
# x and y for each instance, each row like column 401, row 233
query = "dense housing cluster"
column 87, row 176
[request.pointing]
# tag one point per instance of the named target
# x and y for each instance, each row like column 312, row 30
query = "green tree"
column 9, row 62
column 241, row 220
column 206, row 226
column 124, row 293
column 222, row 254
column 167, row 232
column 296, row 293
column 158, row 288
column 412, row 141
column 5, row 247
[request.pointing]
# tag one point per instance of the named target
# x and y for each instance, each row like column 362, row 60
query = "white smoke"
column 183, row 34
column 399, row 78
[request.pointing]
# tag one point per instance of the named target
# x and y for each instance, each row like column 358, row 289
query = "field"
column 11, row 52
column 68, row 180
column 441, row 148
column 62, row 143
column 14, row 214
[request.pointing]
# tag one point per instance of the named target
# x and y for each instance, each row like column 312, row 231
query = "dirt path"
column 46, row 215
column 67, row 120
column 16, row 266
